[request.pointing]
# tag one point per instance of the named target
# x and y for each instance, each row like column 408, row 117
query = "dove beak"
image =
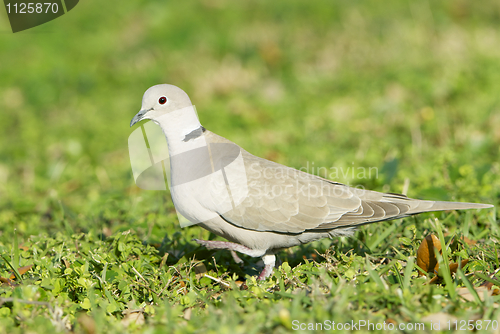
column 139, row 116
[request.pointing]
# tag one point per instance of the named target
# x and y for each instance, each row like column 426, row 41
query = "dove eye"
column 162, row 100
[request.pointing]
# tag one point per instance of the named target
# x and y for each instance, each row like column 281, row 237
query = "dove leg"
column 236, row 258
column 213, row 244
column 269, row 262
column 268, row 259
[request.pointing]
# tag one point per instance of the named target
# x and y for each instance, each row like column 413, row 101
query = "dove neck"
column 177, row 128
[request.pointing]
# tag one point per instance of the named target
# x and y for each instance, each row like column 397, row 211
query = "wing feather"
column 285, row 200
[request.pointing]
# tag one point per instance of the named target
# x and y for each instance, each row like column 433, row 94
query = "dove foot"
column 269, row 262
column 269, row 259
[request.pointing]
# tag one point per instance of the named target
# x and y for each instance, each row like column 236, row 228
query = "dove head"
column 160, row 100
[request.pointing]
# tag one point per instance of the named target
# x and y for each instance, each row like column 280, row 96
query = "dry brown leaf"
column 183, row 287
column 433, row 280
column 453, row 267
column 463, row 238
column 6, row 281
column 426, row 259
column 21, row 271
column 489, row 286
column 242, row 285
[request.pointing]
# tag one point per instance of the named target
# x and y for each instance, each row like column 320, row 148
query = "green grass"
column 410, row 88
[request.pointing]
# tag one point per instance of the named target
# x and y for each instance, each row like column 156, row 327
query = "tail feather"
column 414, row 206
column 430, row 206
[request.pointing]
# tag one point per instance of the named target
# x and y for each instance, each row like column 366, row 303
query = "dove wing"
column 285, row 200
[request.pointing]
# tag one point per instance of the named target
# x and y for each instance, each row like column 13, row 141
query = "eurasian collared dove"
column 259, row 205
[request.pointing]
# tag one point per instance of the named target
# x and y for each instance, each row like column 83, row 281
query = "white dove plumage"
column 281, row 207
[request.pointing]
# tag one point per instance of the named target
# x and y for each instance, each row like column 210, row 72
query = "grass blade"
column 16, row 251
column 444, row 265
column 376, row 278
column 408, row 270
column 16, row 273
column 487, row 278
column 469, row 286
column 384, row 235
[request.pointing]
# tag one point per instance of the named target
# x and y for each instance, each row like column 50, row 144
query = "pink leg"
column 213, row 244
column 269, row 262
column 269, row 259
column 236, row 258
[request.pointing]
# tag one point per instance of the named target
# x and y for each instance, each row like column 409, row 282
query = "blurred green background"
column 409, row 87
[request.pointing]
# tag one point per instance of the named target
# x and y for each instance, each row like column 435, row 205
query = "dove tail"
column 430, row 206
